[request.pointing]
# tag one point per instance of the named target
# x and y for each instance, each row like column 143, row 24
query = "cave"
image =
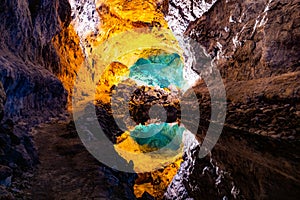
column 149, row 100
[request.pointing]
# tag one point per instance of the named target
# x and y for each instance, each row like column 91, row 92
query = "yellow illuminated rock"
column 67, row 45
column 112, row 75
column 129, row 30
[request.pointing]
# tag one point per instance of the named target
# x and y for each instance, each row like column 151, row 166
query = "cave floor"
column 66, row 169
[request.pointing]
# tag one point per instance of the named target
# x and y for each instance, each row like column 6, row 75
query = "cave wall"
column 251, row 39
column 32, row 73
column 28, row 59
column 255, row 45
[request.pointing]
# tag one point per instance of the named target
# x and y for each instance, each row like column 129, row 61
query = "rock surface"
column 30, row 92
column 28, row 58
column 255, row 45
column 251, row 39
column 256, row 50
column 2, row 101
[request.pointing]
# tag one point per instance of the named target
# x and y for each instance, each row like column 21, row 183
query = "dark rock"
column 30, row 93
column 27, row 57
column 146, row 196
column 4, row 194
column 2, row 101
column 256, row 48
column 5, row 175
column 257, row 43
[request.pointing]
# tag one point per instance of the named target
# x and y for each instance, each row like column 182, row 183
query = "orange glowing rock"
column 71, row 57
column 111, row 76
column 130, row 30
column 118, row 16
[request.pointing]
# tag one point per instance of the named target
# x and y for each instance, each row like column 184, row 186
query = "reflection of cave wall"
column 256, row 47
column 37, row 45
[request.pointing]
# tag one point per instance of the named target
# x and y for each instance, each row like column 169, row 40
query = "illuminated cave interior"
column 137, row 55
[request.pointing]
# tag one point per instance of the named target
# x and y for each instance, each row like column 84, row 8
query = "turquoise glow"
column 159, row 70
column 158, row 135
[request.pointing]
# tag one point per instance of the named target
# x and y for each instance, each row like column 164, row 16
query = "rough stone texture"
column 29, row 65
column 71, row 58
column 181, row 13
column 255, row 44
column 251, row 39
column 177, row 188
column 84, row 17
column 5, row 175
column 4, row 194
column 27, row 57
column 141, row 100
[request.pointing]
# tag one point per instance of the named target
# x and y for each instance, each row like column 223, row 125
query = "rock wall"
column 2, row 100
column 251, row 39
column 255, row 45
column 28, row 60
column 30, row 92
column 40, row 54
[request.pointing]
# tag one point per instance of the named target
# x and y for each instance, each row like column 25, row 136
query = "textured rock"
column 4, row 194
column 28, row 59
column 29, row 65
column 70, row 58
column 84, row 17
column 16, row 146
column 251, row 39
column 177, row 188
column 2, row 101
column 256, row 41
column 180, row 14
column 5, row 175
